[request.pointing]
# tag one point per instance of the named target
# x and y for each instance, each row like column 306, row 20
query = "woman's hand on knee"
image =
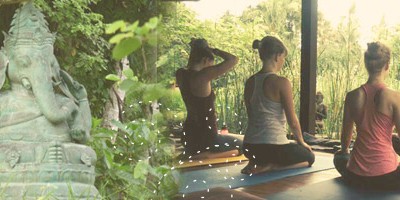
column 305, row 145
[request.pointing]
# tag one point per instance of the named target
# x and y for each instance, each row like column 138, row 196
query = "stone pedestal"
column 29, row 170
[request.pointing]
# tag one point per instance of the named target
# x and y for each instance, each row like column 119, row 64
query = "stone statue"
column 321, row 112
column 44, row 118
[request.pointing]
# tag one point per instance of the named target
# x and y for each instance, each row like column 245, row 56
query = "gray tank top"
column 267, row 120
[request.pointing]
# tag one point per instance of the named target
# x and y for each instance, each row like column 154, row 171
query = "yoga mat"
column 230, row 176
column 334, row 189
column 212, row 161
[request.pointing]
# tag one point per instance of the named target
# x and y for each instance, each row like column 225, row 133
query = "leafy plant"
column 135, row 160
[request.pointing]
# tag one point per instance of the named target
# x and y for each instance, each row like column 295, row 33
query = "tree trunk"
column 114, row 106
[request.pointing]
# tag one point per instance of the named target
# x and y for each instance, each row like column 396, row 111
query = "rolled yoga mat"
column 210, row 161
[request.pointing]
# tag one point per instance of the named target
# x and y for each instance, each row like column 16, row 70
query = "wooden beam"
column 309, row 25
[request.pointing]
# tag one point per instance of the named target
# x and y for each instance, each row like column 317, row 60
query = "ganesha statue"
column 45, row 118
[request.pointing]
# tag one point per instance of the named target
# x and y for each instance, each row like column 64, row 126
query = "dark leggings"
column 286, row 154
column 387, row 181
column 217, row 144
column 225, row 143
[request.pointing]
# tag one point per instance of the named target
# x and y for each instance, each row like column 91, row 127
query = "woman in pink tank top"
column 375, row 110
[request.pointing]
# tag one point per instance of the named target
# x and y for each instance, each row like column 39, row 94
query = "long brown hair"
column 268, row 47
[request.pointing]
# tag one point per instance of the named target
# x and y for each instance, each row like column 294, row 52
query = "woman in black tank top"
column 200, row 133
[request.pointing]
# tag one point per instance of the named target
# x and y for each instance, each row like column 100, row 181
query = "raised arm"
column 347, row 126
column 214, row 72
column 286, row 95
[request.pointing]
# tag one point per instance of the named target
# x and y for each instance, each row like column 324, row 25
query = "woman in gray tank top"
column 269, row 103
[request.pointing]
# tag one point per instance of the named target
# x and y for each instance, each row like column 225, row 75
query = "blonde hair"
column 376, row 57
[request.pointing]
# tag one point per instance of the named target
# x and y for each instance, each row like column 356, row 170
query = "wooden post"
column 309, row 24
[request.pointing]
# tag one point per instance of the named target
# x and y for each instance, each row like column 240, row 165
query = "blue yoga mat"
column 230, row 176
column 334, row 189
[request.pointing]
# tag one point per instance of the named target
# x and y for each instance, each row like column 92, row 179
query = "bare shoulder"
column 250, row 80
column 392, row 95
column 355, row 97
column 355, row 93
column 283, row 82
column 390, row 92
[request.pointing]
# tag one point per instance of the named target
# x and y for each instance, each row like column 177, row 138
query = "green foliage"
column 131, row 36
column 137, row 159
column 134, row 162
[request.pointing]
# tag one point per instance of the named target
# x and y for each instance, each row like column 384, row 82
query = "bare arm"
column 214, row 72
column 288, row 105
column 396, row 112
column 347, row 126
column 248, row 92
column 178, row 77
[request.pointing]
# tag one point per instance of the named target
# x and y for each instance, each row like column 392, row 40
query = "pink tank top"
column 373, row 153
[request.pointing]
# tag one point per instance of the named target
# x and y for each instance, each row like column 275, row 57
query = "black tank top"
column 200, row 126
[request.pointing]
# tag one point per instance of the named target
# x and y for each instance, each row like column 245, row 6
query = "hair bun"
column 198, row 43
column 256, row 44
column 373, row 51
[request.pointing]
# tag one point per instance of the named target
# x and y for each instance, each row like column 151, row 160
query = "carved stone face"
column 21, row 60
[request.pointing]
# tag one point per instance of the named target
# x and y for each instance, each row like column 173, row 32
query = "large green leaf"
column 152, row 23
column 141, row 170
column 118, row 37
column 126, row 47
column 115, row 26
column 128, row 73
column 127, row 84
column 113, row 77
column 132, row 27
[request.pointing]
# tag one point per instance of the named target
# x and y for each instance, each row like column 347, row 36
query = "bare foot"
column 252, row 168
column 258, row 169
column 248, row 169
